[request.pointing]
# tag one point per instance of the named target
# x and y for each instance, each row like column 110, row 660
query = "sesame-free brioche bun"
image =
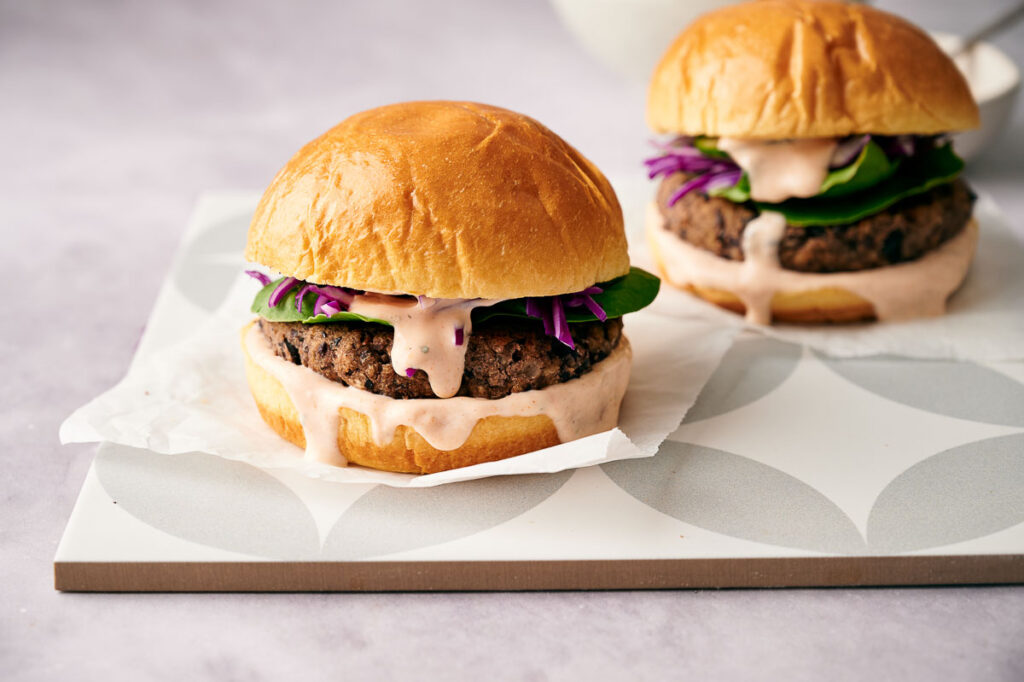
column 442, row 199
column 817, row 306
column 492, row 438
column 777, row 69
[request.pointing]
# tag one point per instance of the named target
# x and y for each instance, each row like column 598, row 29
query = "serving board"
column 792, row 469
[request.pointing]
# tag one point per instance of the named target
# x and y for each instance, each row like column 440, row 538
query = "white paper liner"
column 984, row 320
column 193, row 397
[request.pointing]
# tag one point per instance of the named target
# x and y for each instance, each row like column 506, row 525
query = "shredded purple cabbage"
column 282, row 289
column 562, row 332
column 343, row 297
column 259, row 276
column 550, row 310
column 299, row 297
column 902, row 145
column 318, row 304
column 330, row 308
column 706, row 183
column 894, row 146
column 848, row 150
column 709, row 173
column 897, row 146
column 410, row 372
column 331, row 300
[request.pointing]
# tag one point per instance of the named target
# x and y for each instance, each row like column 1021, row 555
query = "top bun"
column 441, row 199
column 799, row 68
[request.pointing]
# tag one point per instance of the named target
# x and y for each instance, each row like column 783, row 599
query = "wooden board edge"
column 624, row 574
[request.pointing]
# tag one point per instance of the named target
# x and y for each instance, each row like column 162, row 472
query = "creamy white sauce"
column 577, row 408
column 779, row 170
column 761, row 238
column 903, row 291
column 425, row 334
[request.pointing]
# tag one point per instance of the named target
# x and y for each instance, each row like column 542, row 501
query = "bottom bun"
column 912, row 289
column 815, row 306
column 492, row 437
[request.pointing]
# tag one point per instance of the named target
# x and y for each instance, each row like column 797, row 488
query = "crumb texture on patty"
column 503, row 356
column 903, row 232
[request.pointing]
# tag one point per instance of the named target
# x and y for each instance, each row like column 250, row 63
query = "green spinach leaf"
column 625, row 294
column 285, row 311
column 917, row 174
column 870, row 167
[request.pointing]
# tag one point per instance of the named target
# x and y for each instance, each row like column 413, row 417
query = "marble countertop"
column 114, row 116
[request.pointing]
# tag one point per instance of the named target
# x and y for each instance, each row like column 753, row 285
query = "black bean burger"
column 452, row 281
column 810, row 177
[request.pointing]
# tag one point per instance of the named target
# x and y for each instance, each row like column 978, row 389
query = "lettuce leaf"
column 868, row 185
column 870, row 167
column 625, row 294
column 917, row 174
column 285, row 311
column 738, row 193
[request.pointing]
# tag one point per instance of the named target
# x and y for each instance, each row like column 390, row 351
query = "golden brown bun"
column 443, row 199
column 818, row 306
column 803, row 68
column 492, row 438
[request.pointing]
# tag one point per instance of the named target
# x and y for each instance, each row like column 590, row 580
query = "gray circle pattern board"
column 960, row 493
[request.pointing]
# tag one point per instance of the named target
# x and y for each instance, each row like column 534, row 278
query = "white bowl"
column 994, row 81
column 629, row 36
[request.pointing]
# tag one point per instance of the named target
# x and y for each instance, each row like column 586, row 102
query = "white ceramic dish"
column 629, row 36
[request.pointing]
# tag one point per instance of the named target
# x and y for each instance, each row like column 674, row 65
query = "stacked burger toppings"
column 884, row 200
column 454, row 277
column 515, row 345
column 808, row 174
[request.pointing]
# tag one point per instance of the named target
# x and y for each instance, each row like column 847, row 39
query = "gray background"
column 114, row 115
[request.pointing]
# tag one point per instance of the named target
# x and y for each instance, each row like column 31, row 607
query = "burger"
column 809, row 175
column 452, row 278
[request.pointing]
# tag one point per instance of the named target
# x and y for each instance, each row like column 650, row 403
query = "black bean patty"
column 503, row 356
column 902, row 232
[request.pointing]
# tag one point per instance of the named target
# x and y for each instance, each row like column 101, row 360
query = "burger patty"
column 503, row 356
column 902, row 232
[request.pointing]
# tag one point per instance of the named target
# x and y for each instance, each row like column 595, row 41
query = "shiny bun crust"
column 443, row 199
column 492, row 438
column 831, row 305
column 804, row 68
